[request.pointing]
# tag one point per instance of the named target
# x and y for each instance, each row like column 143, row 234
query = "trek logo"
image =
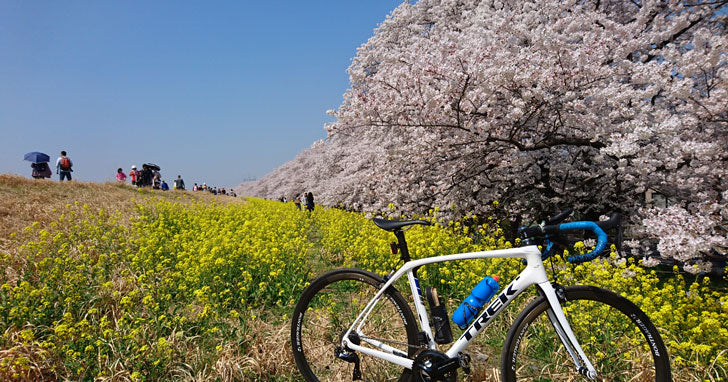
column 491, row 311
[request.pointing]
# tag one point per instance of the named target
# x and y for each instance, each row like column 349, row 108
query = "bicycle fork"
column 563, row 330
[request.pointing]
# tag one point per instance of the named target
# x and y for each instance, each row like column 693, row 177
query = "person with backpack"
column 64, row 166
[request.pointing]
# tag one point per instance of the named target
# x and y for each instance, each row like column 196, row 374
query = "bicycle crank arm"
column 446, row 366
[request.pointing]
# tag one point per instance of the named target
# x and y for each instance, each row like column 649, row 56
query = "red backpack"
column 65, row 163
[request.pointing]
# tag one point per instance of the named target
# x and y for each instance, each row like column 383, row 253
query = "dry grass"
column 269, row 352
column 24, row 201
column 37, row 364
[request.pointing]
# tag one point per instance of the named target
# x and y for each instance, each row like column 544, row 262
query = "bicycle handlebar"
column 596, row 227
column 601, row 240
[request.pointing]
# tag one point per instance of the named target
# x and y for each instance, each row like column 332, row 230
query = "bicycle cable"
column 553, row 270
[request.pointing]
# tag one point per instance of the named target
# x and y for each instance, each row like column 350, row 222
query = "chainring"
column 423, row 363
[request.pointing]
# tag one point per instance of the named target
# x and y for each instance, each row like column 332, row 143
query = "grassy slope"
column 24, row 201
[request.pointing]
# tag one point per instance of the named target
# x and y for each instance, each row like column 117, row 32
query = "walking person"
column 297, row 201
column 41, row 170
column 156, row 179
column 134, row 175
column 120, row 176
column 146, row 176
column 309, row 201
column 64, row 166
column 179, row 184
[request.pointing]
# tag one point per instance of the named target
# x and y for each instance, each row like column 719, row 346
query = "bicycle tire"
column 316, row 332
column 616, row 335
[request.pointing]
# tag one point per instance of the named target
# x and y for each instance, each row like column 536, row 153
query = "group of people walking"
column 41, row 169
column 149, row 176
column 213, row 190
column 307, row 198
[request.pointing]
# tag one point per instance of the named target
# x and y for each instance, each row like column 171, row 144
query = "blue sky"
column 216, row 91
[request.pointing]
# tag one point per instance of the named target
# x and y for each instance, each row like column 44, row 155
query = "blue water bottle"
column 481, row 294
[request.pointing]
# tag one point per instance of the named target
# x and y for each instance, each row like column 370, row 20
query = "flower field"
column 203, row 290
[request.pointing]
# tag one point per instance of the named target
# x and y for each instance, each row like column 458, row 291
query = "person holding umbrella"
column 64, row 166
column 40, row 164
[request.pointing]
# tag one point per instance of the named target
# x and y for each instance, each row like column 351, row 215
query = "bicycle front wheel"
column 616, row 336
column 329, row 306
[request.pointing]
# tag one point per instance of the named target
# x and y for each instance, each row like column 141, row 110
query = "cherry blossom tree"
column 540, row 105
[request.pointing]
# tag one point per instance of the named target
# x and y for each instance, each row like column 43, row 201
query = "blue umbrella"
column 37, row 157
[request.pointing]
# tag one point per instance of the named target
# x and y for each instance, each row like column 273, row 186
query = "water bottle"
column 481, row 294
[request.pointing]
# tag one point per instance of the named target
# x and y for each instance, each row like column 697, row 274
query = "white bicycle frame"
column 534, row 273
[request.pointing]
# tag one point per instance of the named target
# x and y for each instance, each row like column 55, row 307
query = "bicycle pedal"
column 464, row 360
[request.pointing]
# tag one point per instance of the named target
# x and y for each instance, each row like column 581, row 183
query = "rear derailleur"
column 351, row 357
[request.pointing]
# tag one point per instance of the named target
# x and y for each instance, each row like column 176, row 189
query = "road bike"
column 351, row 324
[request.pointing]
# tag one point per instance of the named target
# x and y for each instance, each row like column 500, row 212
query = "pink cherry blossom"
column 540, row 106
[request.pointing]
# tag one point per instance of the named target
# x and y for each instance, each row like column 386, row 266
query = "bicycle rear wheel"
column 329, row 306
column 617, row 337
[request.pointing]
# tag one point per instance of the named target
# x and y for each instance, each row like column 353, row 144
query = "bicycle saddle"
column 393, row 225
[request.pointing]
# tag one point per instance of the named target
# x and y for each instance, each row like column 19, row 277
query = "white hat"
column 133, row 167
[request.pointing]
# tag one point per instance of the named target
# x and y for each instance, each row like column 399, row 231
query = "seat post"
column 402, row 244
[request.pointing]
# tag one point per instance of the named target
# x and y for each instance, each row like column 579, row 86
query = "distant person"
column 309, row 201
column 156, row 179
column 165, row 186
column 297, row 201
column 179, row 184
column 146, row 176
column 64, row 166
column 134, row 175
column 41, row 170
column 120, row 176
column 194, row 187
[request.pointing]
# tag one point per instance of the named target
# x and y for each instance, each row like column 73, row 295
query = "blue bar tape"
column 591, row 226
